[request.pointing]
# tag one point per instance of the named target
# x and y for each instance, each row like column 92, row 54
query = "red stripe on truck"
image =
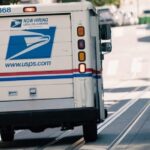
column 71, row 71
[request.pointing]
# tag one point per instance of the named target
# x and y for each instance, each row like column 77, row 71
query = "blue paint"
column 34, row 44
column 50, row 77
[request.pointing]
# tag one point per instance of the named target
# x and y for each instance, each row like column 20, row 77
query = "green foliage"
column 65, row 1
column 7, row 2
column 104, row 2
column 97, row 2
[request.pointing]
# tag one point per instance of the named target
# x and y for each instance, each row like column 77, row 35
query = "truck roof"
column 48, row 8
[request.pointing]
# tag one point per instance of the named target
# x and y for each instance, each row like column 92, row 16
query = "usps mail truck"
column 50, row 68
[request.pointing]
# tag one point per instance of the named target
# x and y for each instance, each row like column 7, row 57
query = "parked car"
column 118, row 18
column 147, row 12
column 110, row 15
column 106, row 17
column 129, row 18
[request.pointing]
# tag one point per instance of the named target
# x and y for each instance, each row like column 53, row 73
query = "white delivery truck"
column 51, row 68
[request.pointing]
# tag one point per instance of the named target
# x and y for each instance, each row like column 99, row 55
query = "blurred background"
column 114, row 12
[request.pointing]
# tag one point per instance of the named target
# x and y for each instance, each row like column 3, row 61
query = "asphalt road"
column 127, row 92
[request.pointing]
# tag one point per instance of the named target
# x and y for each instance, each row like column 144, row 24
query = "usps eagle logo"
column 17, row 23
column 31, row 44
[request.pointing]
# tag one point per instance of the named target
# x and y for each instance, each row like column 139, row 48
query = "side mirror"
column 106, row 47
column 105, row 38
column 105, row 32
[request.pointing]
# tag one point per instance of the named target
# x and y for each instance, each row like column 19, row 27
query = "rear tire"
column 106, row 113
column 90, row 131
column 7, row 134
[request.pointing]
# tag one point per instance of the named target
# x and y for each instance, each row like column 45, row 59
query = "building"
column 135, row 6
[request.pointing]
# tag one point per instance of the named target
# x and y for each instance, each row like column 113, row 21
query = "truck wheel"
column 90, row 131
column 7, row 134
column 106, row 113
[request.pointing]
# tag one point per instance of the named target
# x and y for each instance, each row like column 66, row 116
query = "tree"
column 7, row 2
column 97, row 2
column 65, row 1
column 104, row 2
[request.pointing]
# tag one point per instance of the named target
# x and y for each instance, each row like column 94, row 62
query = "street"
column 127, row 98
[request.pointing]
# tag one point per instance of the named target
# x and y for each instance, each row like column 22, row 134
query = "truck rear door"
column 36, row 57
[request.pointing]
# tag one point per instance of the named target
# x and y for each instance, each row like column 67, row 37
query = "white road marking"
column 136, row 66
column 114, row 116
column 121, row 137
column 112, row 67
column 111, row 98
column 117, row 32
column 141, row 32
column 119, row 112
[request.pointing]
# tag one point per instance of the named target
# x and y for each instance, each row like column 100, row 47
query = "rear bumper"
column 48, row 118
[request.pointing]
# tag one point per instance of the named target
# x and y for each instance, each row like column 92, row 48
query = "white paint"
column 25, row 105
column 112, row 67
column 112, row 118
column 136, row 66
column 47, row 1
column 129, row 127
column 117, row 32
column 141, row 32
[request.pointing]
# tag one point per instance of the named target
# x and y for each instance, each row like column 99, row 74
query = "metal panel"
column 36, row 105
column 36, row 53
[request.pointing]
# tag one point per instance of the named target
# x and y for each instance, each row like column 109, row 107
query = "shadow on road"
column 25, row 143
column 139, row 133
column 144, row 39
column 148, row 27
column 124, row 89
column 118, row 105
column 41, row 142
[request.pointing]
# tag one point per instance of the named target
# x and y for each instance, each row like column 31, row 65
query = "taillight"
column 82, row 68
column 81, row 56
column 29, row 9
column 81, row 44
column 80, row 31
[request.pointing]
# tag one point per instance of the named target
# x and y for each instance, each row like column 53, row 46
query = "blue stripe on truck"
column 50, row 77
